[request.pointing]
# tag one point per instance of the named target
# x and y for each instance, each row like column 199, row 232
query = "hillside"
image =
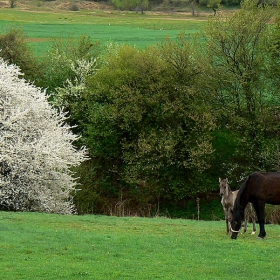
column 77, row 5
column 33, row 5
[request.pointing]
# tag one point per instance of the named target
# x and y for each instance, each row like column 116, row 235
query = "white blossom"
column 82, row 69
column 36, row 148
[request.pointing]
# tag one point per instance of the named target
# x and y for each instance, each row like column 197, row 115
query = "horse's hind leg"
column 259, row 208
column 253, row 216
column 245, row 225
column 249, row 213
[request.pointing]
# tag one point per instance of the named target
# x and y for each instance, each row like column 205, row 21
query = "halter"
column 235, row 231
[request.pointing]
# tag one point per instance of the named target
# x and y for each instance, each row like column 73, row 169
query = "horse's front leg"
column 227, row 225
column 259, row 208
column 254, row 224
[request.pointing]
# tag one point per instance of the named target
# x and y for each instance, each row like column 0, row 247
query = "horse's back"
column 235, row 193
column 264, row 186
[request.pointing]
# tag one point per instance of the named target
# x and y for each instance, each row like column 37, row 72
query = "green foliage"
column 215, row 5
column 148, row 132
column 14, row 50
column 61, row 62
column 245, row 98
column 131, row 4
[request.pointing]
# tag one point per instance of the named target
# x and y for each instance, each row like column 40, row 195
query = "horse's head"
column 223, row 186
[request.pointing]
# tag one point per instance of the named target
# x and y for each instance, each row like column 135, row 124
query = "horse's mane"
column 238, row 208
column 229, row 189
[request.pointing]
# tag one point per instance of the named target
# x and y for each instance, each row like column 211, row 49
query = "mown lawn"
column 48, row 246
column 41, row 28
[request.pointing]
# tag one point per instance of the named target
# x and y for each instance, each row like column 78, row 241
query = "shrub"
column 36, row 149
column 14, row 50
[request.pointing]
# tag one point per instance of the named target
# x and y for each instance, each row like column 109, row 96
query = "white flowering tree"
column 36, row 149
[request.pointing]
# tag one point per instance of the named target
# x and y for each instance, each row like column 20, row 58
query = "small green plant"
column 74, row 7
column 12, row 3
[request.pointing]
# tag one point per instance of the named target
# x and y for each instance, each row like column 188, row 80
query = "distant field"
column 54, row 247
column 41, row 28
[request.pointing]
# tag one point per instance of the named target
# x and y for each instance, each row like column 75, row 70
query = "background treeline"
column 178, row 5
column 163, row 5
column 162, row 124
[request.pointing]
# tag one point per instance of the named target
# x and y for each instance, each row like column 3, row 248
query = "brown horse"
column 228, row 199
column 259, row 188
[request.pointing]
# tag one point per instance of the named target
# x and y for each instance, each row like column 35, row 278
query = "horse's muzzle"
column 234, row 235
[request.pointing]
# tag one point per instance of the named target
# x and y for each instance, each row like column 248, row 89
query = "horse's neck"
column 228, row 192
column 229, row 197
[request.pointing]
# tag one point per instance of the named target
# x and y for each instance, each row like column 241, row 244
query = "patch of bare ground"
column 55, row 5
column 4, row 4
column 84, row 5
column 76, row 5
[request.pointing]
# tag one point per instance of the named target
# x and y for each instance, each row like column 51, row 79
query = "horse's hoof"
column 253, row 232
column 259, row 237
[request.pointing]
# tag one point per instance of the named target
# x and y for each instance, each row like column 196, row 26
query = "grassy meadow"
column 48, row 246
column 44, row 26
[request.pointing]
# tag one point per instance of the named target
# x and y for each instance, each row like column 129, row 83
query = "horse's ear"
column 220, row 180
column 227, row 180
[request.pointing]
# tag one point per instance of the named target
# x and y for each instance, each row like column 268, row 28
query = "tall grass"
column 44, row 246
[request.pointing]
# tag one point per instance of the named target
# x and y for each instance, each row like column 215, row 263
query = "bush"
column 36, row 149
column 14, row 50
column 74, row 8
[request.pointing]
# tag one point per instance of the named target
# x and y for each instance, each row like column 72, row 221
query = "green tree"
column 149, row 129
column 60, row 62
column 12, row 3
column 215, row 5
column 131, row 4
column 272, row 70
column 238, row 48
column 36, row 149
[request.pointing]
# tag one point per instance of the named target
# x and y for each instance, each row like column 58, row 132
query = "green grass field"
column 47, row 246
column 41, row 28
